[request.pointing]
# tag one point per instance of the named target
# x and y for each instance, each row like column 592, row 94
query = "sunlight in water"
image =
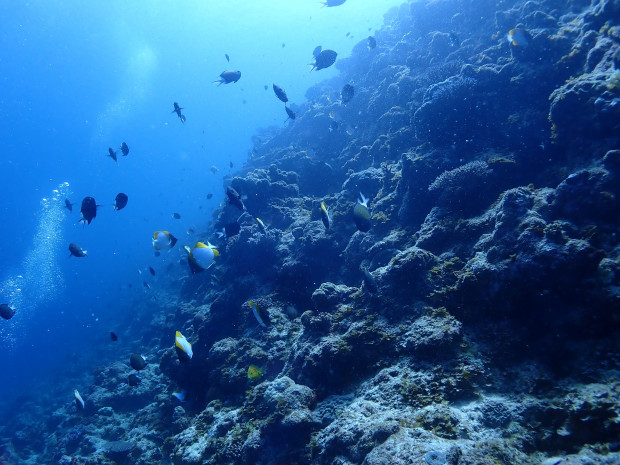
column 37, row 280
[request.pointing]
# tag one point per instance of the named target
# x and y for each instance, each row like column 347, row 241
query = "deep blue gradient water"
column 79, row 77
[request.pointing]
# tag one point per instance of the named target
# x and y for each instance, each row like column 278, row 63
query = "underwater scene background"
column 355, row 233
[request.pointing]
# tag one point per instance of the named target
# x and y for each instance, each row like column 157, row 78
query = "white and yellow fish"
column 201, row 256
column 163, row 240
column 183, row 347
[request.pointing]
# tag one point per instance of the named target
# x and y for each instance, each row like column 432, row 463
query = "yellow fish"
column 254, row 372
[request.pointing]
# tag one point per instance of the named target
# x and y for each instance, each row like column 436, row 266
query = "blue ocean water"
column 79, row 77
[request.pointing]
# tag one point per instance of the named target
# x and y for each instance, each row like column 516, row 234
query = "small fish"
column 76, row 251
column 177, row 110
column 326, row 216
column 88, row 210
column 261, row 315
column 124, row 149
column 69, row 205
column 261, row 224
column 254, row 372
column 189, row 231
column 183, row 347
column 231, row 165
column 120, row 201
column 369, row 280
column 361, row 214
column 6, row 312
column 325, row 59
column 234, row 198
column 176, row 216
column 146, row 285
column 113, row 336
column 112, row 154
column 201, row 257
column 228, row 76
column 79, row 402
column 163, row 240
column 280, row 93
column 290, row 113
column 518, row 37
column 209, row 196
column 137, row 362
column 372, row 42
column 133, row 380
column 151, row 270
column 266, row 87
column 347, row 93
column 333, row 2
column 214, row 169
column 179, row 395
column 227, row 57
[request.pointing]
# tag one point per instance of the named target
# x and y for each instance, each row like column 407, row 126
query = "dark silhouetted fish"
column 88, row 210
column 317, row 51
column 133, row 380
column 77, row 251
column 68, row 205
column 177, row 110
column 369, row 280
column 120, row 201
column 372, row 42
column 209, row 195
column 125, row 149
column 280, row 93
column 151, row 270
column 324, row 59
column 333, row 2
column 113, row 336
column 229, row 76
column 347, row 93
column 227, row 57
column 291, row 114
column 112, row 154
column 137, row 362
column 176, row 216
column 361, row 214
column 6, row 312
column 234, row 198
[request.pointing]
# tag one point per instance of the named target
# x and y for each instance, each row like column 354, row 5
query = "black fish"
column 317, row 51
column 324, row 59
column 76, row 250
column 372, row 43
column 151, row 270
column 280, row 93
column 232, row 229
column 68, row 205
column 209, row 195
column 176, row 216
column 88, row 210
column 137, row 362
column 234, row 198
column 177, row 110
column 146, row 285
column 113, row 336
column 120, row 201
column 229, row 76
column 133, row 380
column 266, row 86
column 290, row 113
column 112, row 154
column 347, row 93
column 6, row 312
column 369, row 280
column 227, row 57
column 333, row 2
column 231, row 164
column 125, row 149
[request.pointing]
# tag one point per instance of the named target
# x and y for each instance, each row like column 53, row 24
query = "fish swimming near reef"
column 518, row 37
column 176, row 216
column 280, row 93
column 326, row 216
column 291, row 114
column 369, row 280
column 260, row 314
column 324, row 59
column 347, row 93
column 177, row 110
column 163, row 240
column 254, row 372
column 261, row 224
column 133, row 380
column 137, row 362
column 79, row 402
column 228, row 76
column 124, row 149
column 183, row 347
column 6, row 312
column 372, row 42
column 152, row 270
column 88, row 210
column 179, row 395
column 69, row 205
column 234, row 198
column 120, row 201
column 113, row 336
column 76, row 251
column 112, row 154
column 201, row 257
column 361, row 214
